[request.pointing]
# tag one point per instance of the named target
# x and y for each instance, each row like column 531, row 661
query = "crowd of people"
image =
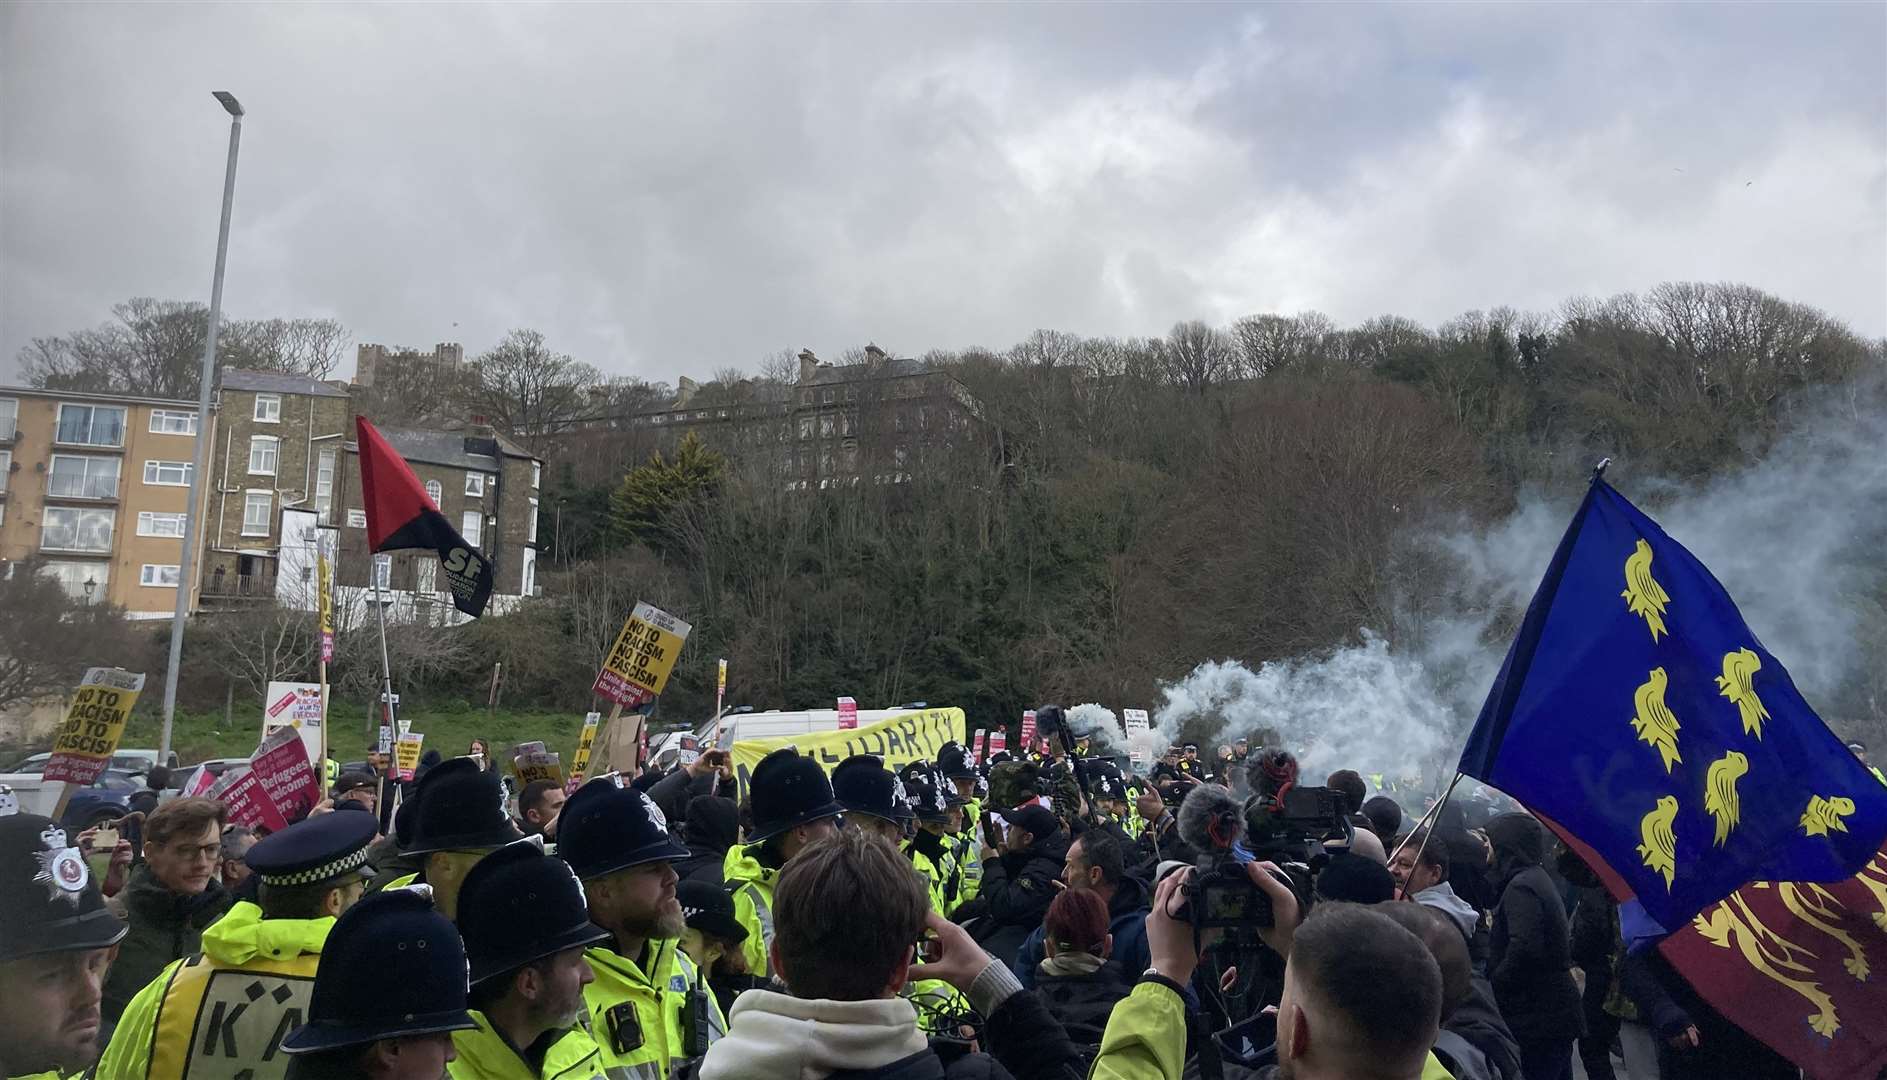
column 1036, row 916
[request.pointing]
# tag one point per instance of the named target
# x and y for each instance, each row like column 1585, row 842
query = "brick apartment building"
column 93, row 487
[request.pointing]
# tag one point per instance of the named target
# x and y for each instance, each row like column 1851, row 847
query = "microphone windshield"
column 1211, row 818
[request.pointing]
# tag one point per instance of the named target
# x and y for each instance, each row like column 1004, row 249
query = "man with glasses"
column 171, row 897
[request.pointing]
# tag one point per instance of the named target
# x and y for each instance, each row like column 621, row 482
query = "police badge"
column 61, row 868
column 656, row 817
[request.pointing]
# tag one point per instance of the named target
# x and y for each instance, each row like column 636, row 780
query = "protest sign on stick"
column 580, row 764
column 279, row 788
column 93, row 725
column 406, row 754
column 633, row 674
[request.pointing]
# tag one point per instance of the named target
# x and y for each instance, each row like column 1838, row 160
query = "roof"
column 437, row 447
column 889, row 369
column 87, row 395
column 278, row 382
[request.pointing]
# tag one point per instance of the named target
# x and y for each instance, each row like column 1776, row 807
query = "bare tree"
column 48, row 639
column 260, row 645
column 527, row 390
column 1196, row 356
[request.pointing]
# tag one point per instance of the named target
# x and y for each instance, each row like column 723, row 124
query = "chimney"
column 874, row 358
column 808, row 364
column 685, row 391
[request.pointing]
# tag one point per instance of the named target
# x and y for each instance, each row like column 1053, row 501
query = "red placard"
column 279, row 788
column 848, row 714
column 976, row 749
column 1028, row 729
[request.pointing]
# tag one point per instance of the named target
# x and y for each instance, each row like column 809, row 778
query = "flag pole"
column 386, row 667
column 1434, row 813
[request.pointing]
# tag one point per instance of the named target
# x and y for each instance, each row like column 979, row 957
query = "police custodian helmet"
column 48, row 901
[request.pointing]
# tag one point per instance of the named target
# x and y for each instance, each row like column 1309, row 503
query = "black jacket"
column 1084, row 1002
column 1529, row 955
column 1015, row 895
column 1669, row 1005
column 164, row 926
column 709, row 830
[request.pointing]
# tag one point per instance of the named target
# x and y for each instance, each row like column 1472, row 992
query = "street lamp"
column 206, row 383
column 91, row 582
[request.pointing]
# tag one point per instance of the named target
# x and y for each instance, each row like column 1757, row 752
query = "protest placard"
column 324, row 584
column 638, row 664
column 406, row 754
column 540, row 765
column 1139, row 738
column 976, row 752
column 93, row 725
column 294, row 705
column 580, row 764
column 848, row 714
column 1028, row 730
column 279, row 788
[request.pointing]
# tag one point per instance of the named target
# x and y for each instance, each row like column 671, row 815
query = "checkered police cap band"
column 351, row 861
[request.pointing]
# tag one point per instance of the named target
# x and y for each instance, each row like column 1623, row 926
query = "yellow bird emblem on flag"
column 1720, row 797
column 1825, row 813
column 1655, row 723
column 1739, row 673
column 1659, row 851
column 1643, row 595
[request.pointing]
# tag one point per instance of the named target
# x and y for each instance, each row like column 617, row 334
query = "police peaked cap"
column 1108, row 784
column 518, row 905
column 48, row 900
column 393, row 966
column 788, row 790
column 461, row 807
column 954, row 762
column 863, row 785
column 710, row 909
column 315, row 850
column 604, row 828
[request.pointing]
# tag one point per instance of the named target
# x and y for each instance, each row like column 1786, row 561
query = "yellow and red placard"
column 93, row 725
column 644, row 653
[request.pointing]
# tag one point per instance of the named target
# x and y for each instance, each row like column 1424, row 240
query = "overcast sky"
column 666, row 190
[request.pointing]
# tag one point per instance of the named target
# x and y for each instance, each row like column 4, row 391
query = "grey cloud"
column 669, row 189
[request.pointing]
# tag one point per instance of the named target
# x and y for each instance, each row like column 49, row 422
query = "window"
column 805, row 427
column 159, row 575
column 433, row 491
column 427, row 575
column 472, row 527
column 255, row 512
column 91, row 425
column 173, row 422
column 6, row 467
column 72, row 528
column 167, row 473
column 475, row 484
column 383, row 571
column 324, row 486
column 825, row 396
column 151, row 523
column 845, row 424
column 826, row 426
column 75, row 477
column 263, row 450
column 531, row 525
column 529, row 580
column 268, row 408
column 74, row 577
column 357, row 519
column 9, row 417
column 537, row 474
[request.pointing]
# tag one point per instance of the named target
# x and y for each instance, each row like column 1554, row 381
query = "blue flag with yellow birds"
column 1638, row 712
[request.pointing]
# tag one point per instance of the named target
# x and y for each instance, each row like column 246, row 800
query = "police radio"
column 694, row 1020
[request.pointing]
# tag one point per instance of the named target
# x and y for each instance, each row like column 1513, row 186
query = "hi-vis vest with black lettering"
column 228, row 1023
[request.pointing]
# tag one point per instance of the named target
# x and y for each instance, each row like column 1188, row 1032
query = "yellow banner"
column 900, row 740
column 644, row 653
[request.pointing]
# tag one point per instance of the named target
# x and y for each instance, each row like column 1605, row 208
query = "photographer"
column 1362, row 996
column 849, row 910
column 1018, row 882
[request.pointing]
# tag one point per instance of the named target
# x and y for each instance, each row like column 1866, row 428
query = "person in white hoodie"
column 1421, row 872
column 848, row 913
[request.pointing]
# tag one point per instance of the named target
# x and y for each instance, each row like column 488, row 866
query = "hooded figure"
column 712, row 824
column 1530, row 952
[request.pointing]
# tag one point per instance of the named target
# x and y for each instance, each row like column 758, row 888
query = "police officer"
column 874, row 799
column 713, row 934
column 649, row 1005
column 460, row 818
column 793, row 808
column 57, row 939
column 526, row 926
column 225, row 1010
column 390, row 991
column 956, row 765
column 930, row 847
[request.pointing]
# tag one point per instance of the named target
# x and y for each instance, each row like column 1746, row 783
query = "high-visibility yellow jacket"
column 1146, row 1039
column 225, row 1011
column 486, row 1055
column 967, row 850
column 751, row 886
column 659, row 1000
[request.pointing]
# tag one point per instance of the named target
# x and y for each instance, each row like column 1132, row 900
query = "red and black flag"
column 400, row 516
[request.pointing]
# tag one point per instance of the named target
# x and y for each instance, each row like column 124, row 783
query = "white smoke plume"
column 1795, row 537
column 1107, row 737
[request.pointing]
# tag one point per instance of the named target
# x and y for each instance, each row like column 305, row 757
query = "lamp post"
column 91, row 582
column 191, row 519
